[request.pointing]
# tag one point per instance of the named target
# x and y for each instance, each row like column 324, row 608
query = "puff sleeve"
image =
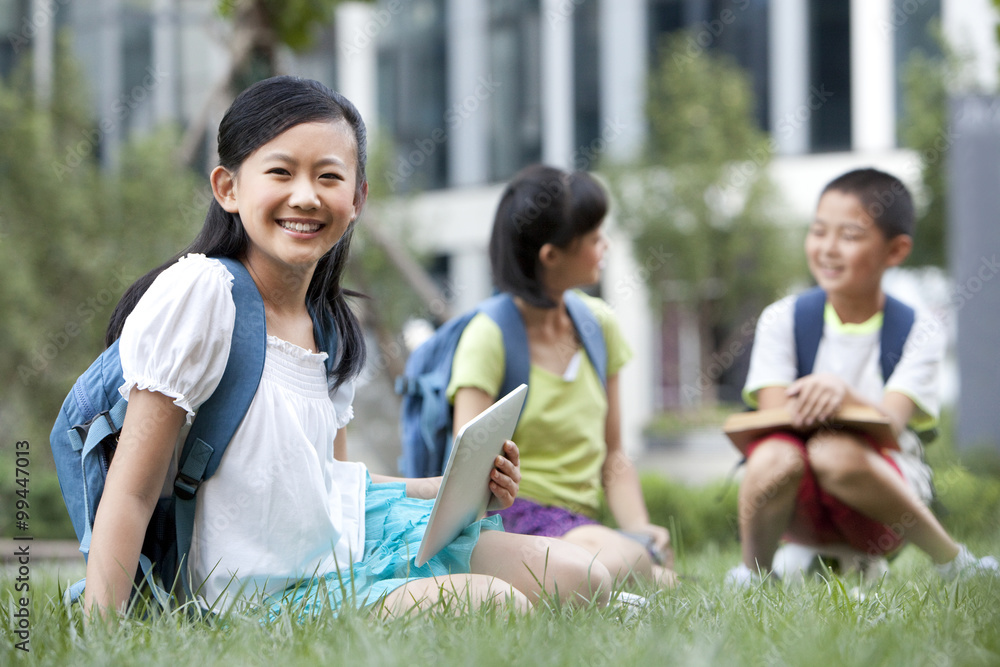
column 176, row 341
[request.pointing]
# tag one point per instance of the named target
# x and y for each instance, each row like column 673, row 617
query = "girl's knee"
column 578, row 575
column 624, row 557
column 457, row 594
column 483, row 591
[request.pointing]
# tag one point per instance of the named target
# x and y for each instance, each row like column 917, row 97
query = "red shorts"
column 821, row 519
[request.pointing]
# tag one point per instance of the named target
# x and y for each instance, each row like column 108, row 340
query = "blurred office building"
column 466, row 92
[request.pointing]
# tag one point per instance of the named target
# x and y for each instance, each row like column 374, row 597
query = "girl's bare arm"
column 135, row 479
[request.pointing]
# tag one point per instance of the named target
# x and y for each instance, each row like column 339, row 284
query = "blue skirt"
column 394, row 527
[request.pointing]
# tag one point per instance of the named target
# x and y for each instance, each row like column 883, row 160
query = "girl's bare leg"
column 624, row 557
column 542, row 566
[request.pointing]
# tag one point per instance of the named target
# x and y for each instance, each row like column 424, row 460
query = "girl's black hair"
column 259, row 114
column 540, row 205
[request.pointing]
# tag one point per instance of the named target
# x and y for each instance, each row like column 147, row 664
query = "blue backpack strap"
column 502, row 310
column 808, row 327
column 591, row 333
column 897, row 321
column 220, row 416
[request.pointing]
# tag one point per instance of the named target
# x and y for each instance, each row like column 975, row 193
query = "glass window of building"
column 586, row 82
column 14, row 26
column 412, row 87
column 515, row 63
column 913, row 25
column 134, row 106
column 738, row 29
column 830, row 71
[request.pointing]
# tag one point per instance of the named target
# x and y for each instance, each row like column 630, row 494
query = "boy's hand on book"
column 815, row 398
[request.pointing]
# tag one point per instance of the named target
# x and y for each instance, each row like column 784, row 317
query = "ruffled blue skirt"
column 394, row 527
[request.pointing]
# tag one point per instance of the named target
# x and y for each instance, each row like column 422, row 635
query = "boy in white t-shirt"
column 838, row 492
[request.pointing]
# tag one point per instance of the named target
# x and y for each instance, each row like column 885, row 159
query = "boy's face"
column 846, row 251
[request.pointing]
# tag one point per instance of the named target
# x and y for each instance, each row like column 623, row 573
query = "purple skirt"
column 530, row 518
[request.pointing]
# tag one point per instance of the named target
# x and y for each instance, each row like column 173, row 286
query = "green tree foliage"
column 701, row 199
column 290, row 22
column 72, row 238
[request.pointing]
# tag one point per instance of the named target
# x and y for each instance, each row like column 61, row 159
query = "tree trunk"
column 250, row 33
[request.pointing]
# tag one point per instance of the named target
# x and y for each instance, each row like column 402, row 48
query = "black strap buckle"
column 185, row 487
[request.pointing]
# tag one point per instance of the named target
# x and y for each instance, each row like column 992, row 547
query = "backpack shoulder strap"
column 897, row 320
column 591, row 333
column 808, row 329
column 502, row 310
column 220, row 415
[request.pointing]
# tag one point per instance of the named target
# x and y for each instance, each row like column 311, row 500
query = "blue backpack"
column 898, row 319
column 426, row 418
column 85, row 436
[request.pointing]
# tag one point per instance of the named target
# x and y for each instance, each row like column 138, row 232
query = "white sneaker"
column 793, row 562
column 965, row 566
column 743, row 577
column 625, row 599
column 629, row 605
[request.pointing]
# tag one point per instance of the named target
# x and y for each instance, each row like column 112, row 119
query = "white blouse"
column 280, row 507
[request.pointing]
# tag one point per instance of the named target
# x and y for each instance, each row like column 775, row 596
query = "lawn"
column 911, row 618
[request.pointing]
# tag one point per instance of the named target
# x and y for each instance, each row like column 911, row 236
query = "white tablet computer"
column 465, row 487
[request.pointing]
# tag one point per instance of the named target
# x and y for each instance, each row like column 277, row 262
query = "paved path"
column 700, row 457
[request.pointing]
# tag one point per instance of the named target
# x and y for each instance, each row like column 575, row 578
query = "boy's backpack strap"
column 808, row 327
column 220, row 415
column 591, row 333
column 897, row 321
column 502, row 310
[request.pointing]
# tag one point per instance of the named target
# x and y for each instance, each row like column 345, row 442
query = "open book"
column 745, row 427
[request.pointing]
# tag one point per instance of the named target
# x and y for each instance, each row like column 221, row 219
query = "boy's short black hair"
column 540, row 205
column 883, row 197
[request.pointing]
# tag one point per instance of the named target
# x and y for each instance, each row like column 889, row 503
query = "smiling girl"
column 286, row 517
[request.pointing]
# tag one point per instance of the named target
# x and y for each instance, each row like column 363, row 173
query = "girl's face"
column 296, row 194
column 579, row 264
column 846, row 251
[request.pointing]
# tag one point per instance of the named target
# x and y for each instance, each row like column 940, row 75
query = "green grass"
column 911, row 618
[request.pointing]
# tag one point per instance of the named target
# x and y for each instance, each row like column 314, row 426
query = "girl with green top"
column 547, row 239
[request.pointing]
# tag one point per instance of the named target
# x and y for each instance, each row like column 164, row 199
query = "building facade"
column 465, row 92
